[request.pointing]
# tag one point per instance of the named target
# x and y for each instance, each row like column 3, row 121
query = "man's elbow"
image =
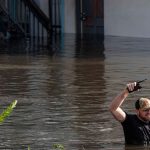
column 111, row 109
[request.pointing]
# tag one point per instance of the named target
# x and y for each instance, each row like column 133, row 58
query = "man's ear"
column 137, row 111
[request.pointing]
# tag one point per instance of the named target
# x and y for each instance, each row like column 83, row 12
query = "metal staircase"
column 8, row 24
column 24, row 18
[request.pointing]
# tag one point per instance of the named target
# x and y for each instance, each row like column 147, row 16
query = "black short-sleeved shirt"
column 135, row 130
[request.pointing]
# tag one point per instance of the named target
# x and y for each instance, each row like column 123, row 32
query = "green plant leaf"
column 7, row 111
column 28, row 147
column 58, row 147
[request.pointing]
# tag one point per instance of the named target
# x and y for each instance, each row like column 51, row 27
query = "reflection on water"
column 64, row 90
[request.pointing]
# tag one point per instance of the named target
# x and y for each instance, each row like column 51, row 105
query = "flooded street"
column 64, row 98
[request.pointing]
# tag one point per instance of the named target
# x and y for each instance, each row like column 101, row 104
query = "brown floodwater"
column 64, row 91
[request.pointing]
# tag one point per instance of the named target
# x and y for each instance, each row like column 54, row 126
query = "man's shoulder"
column 129, row 118
column 130, row 115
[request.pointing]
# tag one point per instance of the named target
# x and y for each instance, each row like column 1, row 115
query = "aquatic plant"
column 6, row 112
column 58, row 147
column 55, row 146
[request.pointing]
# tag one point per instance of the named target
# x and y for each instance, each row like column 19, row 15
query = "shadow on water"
column 67, row 45
column 25, row 46
column 89, row 46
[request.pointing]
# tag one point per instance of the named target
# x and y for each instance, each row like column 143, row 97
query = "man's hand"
column 131, row 87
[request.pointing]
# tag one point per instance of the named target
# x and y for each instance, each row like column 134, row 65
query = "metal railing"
column 55, row 11
column 25, row 17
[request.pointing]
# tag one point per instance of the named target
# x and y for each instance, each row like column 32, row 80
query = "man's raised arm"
column 115, row 106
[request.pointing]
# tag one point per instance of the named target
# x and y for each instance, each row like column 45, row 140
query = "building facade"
column 117, row 18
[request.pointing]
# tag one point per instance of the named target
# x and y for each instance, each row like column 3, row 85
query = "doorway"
column 90, row 16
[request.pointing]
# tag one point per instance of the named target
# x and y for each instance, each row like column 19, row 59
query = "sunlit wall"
column 127, row 18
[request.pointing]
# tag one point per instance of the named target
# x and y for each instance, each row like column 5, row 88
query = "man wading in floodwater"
column 136, row 126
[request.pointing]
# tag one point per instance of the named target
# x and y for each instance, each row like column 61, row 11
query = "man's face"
column 144, row 114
